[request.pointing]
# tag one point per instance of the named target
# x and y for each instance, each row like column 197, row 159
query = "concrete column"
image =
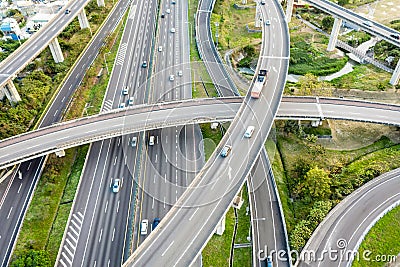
column 396, row 75
column 56, row 51
column 100, row 3
column 2, row 94
column 11, row 92
column 334, row 34
column 83, row 21
column 221, row 226
column 289, row 10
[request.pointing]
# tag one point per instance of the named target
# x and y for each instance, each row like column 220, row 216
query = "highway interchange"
column 118, row 142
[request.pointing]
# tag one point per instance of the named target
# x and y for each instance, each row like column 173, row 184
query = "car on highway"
column 125, row 91
column 122, row 105
column 249, row 131
column 269, row 261
column 116, row 185
column 134, row 141
column 172, row 30
column 171, row 77
column 168, row 11
column 162, row 15
column 225, row 151
column 160, row 48
column 173, row 2
column 143, row 227
column 267, row 22
column 368, row 23
column 151, row 140
column 130, row 101
column 144, row 64
column 180, row 73
column 395, row 36
column 67, row 11
column 156, row 222
column 262, row 2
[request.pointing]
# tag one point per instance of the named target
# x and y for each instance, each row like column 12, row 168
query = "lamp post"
column 216, row 34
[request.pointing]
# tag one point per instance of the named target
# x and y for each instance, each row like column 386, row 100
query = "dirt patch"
column 349, row 135
column 382, row 11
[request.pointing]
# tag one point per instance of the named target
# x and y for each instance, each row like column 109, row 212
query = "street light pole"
column 216, row 34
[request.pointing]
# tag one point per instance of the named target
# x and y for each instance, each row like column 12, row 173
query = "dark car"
column 144, row 64
column 156, row 222
column 162, row 15
column 67, row 11
column 395, row 36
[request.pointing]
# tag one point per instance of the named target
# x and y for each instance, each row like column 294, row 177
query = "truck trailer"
column 259, row 83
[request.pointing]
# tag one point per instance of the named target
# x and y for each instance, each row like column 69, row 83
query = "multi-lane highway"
column 191, row 222
column 336, row 240
column 99, row 229
column 169, row 165
column 179, row 113
column 18, row 192
column 267, row 222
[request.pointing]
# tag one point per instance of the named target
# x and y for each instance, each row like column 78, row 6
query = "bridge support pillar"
column 334, row 34
column 289, row 10
column 396, row 75
column 100, row 3
column 83, row 21
column 221, row 226
column 56, row 51
column 60, row 153
column 10, row 92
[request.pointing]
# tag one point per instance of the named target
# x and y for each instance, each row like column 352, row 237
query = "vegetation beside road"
column 44, row 227
column 382, row 241
column 40, row 79
column 314, row 179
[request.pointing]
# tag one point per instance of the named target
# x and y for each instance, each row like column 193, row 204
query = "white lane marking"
column 165, row 251
column 101, row 233
column 152, row 204
column 117, row 206
column 165, row 177
column 113, row 235
column 191, row 217
column 156, row 159
column 9, row 213
column 29, row 166
column 115, row 160
column 119, row 141
column 19, row 189
column 105, row 209
column 55, row 113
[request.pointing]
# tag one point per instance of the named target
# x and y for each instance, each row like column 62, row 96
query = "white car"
column 160, row 49
column 116, row 185
column 130, row 101
column 122, row 105
column 172, row 30
column 249, row 132
column 125, row 91
column 168, row 11
column 171, row 77
column 267, row 22
column 180, row 73
column 144, row 225
column 151, row 140
column 134, row 141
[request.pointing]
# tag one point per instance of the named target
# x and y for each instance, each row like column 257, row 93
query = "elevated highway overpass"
column 153, row 116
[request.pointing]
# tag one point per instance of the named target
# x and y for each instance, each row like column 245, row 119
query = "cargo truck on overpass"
column 259, row 83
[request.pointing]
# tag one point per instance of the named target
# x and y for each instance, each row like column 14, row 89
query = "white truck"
column 259, row 84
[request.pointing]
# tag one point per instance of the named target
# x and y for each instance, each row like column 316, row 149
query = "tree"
column 327, row 23
column 318, row 212
column 32, row 258
column 316, row 184
column 300, row 234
